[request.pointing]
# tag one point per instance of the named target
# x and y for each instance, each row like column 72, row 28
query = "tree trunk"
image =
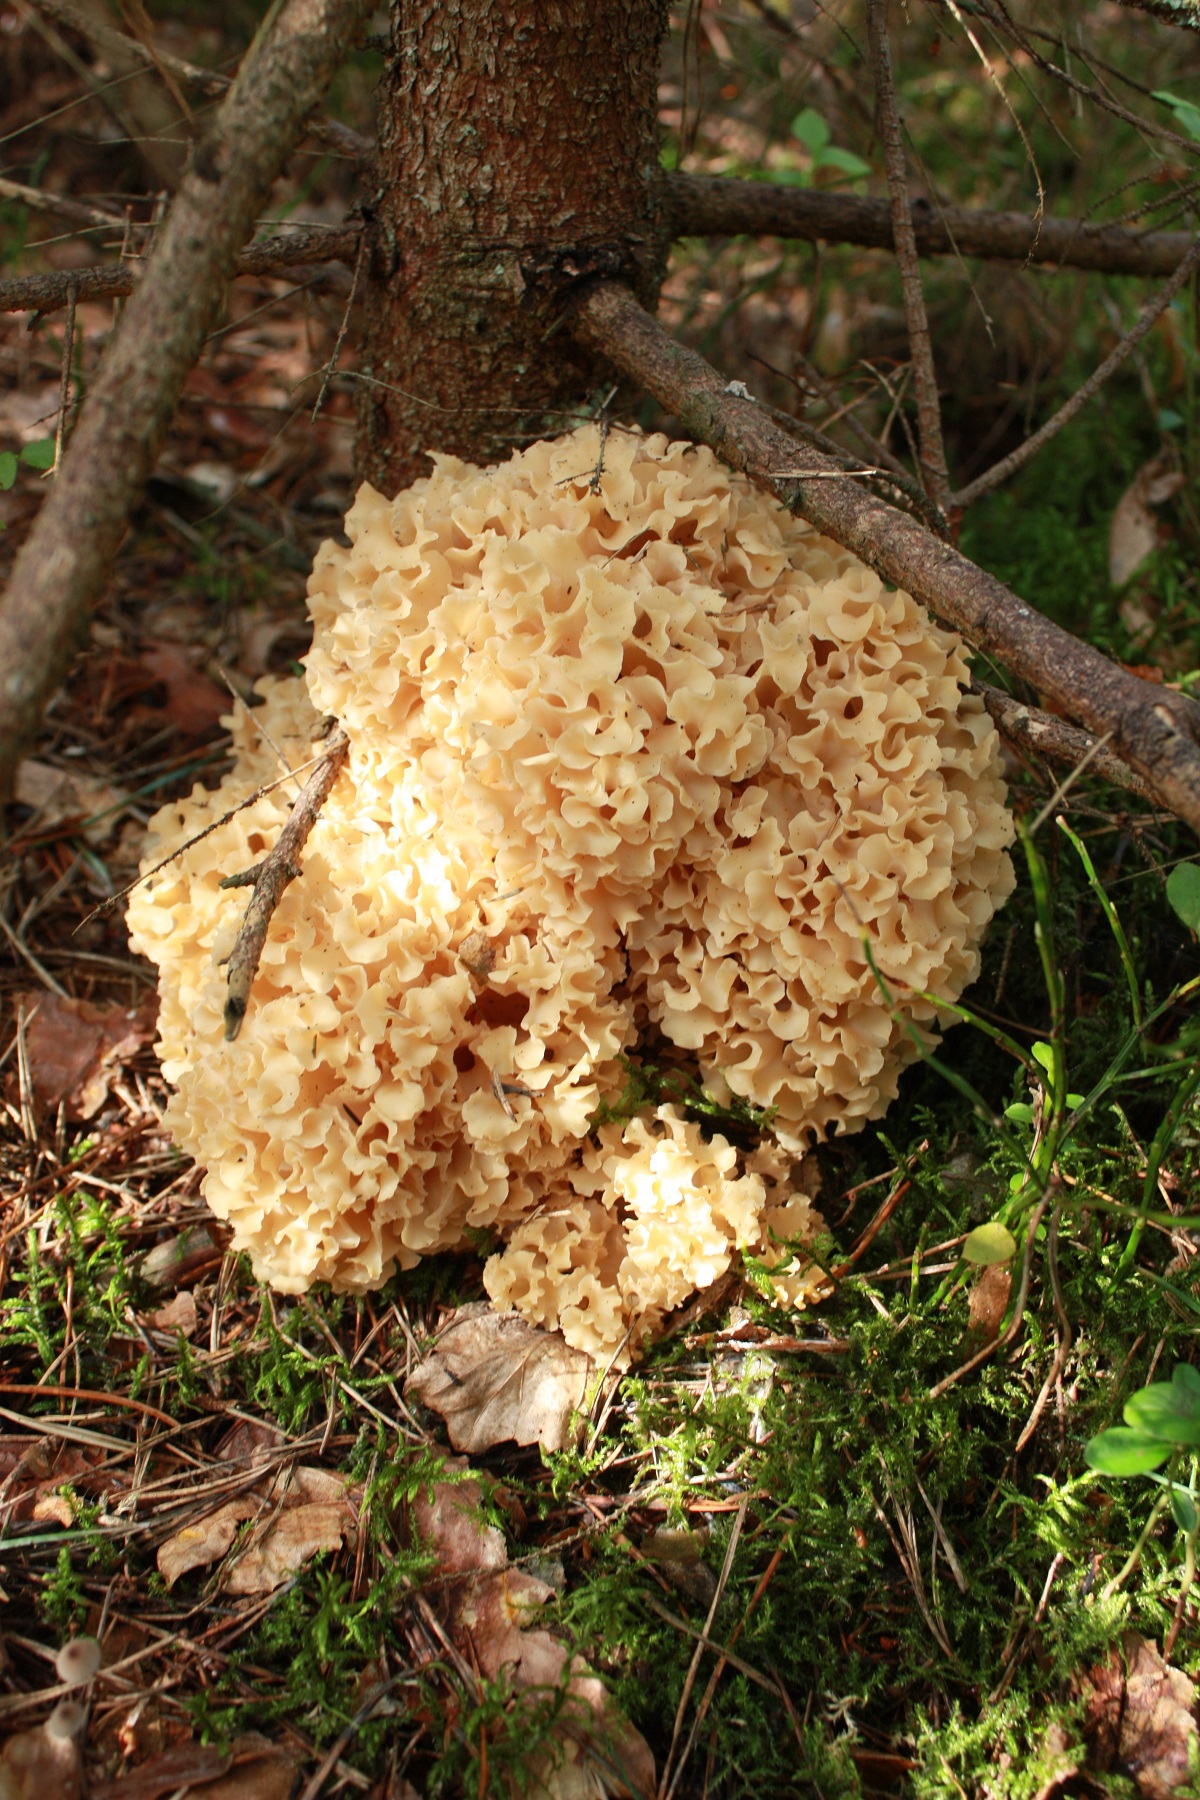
column 518, row 155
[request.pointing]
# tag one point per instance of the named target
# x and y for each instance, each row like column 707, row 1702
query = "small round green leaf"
column 8, row 468
column 811, row 130
column 1167, row 1411
column 1121, row 1452
column 990, row 1243
column 1044, row 1054
column 39, row 455
column 1183, row 1510
column 1183, row 893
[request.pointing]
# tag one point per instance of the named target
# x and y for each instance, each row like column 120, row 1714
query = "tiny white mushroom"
column 66, row 1722
column 78, row 1661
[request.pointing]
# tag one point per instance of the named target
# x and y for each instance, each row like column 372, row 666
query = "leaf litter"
column 493, row 1377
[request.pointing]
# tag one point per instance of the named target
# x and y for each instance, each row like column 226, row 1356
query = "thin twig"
column 61, row 206
column 1150, row 314
column 667, row 1789
column 65, row 560
column 114, row 44
column 929, row 414
column 268, row 787
column 94, row 1394
column 331, row 365
column 706, row 1698
column 64, row 390
column 277, row 869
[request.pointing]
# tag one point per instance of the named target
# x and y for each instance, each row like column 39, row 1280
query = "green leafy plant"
column 1162, row 1423
column 812, row 130
column 39, row 455
column 1183, row 893
column 1187, row 113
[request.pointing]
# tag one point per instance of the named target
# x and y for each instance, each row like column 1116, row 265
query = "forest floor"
column 818, row 1555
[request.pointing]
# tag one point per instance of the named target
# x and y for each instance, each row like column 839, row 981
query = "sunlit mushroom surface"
column 640, row 764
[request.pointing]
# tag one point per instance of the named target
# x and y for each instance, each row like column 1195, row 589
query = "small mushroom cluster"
column 46, row 1763
column 634, row 755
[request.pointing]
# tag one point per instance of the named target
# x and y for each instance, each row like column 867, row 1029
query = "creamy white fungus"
column 651, row 757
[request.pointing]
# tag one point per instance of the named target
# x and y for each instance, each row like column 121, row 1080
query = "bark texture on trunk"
column 518, row 153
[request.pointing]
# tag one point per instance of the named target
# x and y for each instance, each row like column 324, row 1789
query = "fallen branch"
column 269, row 878
column 1041, row 734
column 722, row 206
column 65, row 560
column 111, row 281
column 931, row 450
column 1157, row 731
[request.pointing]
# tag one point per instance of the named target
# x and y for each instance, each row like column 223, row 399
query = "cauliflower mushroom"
column 638, row 754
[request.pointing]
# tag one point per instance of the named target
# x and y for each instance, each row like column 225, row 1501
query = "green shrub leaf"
column 811, row 130
column 1183, row 1510
column 1183, row 892
column 1187, row 116
column 1166, row 1410
column 8, row 468
column 1122, row 1452
column 845, row 160
column 39, row 455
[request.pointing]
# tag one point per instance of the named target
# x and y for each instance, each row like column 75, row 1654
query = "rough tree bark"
column 518, row 150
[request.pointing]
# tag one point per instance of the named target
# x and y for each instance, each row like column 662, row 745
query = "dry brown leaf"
column 252, row 1769
column 33, row 1470
column 447, row 1520
column 487, row 1609
column 195, row 704
column 53, row 1509
column 59, row 796
column 73, row 1047
column 299, row 1533
column 493, row 1377
column 1140, row 1720
column 313, row 1510
column 1133, row 529
column 595, row 1750
column 171, row 1772
column 178, row 1314
column 205, row 1542
column 989, row 1303
column 271, row 1776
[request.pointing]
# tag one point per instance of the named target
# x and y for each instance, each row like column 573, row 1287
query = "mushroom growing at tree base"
column 631, row 757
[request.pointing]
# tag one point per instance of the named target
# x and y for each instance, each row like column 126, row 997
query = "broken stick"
column 271, row 876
